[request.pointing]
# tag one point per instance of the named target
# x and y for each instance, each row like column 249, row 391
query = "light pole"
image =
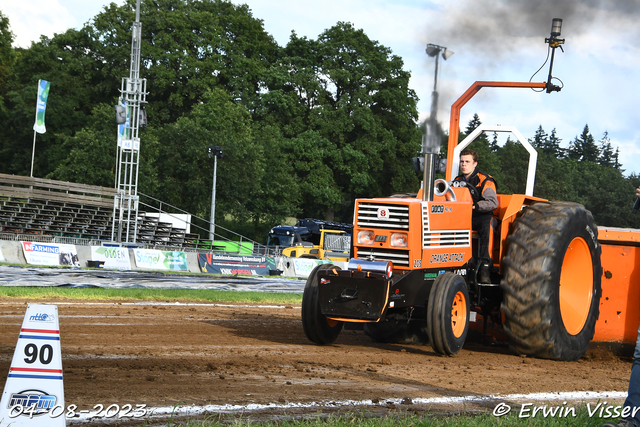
column 430, row 142
column 215, row 152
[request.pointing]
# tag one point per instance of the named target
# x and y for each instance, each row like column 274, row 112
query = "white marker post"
column 33, row 394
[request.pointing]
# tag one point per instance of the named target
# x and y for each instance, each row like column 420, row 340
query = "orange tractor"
column 413, row 278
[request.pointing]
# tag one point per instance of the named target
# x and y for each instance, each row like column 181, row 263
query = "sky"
column 492, row 40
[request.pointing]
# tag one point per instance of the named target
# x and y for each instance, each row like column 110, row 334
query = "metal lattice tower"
column 132, row 95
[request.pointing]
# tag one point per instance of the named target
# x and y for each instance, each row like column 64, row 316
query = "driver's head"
column 468, row 161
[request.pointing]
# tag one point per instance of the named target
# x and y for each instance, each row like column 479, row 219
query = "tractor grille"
column 446, row 239
column 398, row 257
column 425, row 217
column 398, row 218
column 440, row 238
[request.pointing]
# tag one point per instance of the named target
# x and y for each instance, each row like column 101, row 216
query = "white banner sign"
column 303, row 266
column 113, row 257
column 161, row 260
column 50, row 254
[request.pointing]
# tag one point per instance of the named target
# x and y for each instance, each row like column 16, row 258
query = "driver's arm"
column 490, row 201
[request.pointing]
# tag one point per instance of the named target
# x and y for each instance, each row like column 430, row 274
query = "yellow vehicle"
column 313, row 238
column 334, row 245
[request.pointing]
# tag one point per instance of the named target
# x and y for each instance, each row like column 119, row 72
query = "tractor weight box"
column 357, row 295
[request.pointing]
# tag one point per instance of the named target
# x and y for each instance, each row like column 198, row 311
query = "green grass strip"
column 367, row 419
column 147, row 294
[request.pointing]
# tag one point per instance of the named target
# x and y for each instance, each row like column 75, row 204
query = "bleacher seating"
column 43, row 207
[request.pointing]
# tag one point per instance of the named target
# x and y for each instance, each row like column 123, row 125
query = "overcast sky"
column 492, row 40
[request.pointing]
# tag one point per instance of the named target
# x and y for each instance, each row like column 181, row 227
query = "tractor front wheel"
column 317, row 327
column 448, row 313
column 551, row 281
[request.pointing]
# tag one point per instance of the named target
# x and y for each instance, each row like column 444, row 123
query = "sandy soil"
column 165, row 354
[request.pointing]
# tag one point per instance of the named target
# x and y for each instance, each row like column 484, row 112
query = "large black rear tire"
column 394, row 331
column 317, row 327
column 551, row 281
column 448, row 313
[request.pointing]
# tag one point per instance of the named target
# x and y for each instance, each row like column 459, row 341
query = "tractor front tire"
column 551, row 283
column 448, row 313
column 317, row 327
column 395, row 331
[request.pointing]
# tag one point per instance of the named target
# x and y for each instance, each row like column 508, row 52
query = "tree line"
column 306, row 128
column 587, row 172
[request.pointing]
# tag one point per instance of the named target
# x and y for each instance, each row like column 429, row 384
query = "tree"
column 553, row 146
column 7, row 53
column 583, row 148
column 75, row 89
column 92, row 150
column 189, row 47
column 254, row 183
column 608, row 157
column 473, row 124
column 494, row 143
column 488, row 160
column 514, row 161
column 540, row 139
column 350, row 95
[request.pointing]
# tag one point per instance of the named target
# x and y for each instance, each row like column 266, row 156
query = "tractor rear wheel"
column 317, row 327
column 448, row 313
column 394, row 331
column 551, row 281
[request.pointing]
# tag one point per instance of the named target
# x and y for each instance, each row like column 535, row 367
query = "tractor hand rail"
column 454, row 125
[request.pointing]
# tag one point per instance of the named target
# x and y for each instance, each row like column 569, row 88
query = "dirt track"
column 162, row 355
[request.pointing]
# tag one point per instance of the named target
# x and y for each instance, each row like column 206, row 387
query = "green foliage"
column 589, row 174
column 306, row 128
column 367, row 416
column 161, row 295
column 344, row 101
column 7, row 54
column 488, row 160
column 254, row 184
column 583, row 148
column 91, row 158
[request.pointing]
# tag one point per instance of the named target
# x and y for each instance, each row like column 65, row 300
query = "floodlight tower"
column 132, row 95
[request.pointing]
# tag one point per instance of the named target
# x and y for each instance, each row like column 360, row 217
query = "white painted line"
column 193, row 410
column 175, row 304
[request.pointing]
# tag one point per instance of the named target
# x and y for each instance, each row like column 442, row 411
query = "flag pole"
column 33, row 152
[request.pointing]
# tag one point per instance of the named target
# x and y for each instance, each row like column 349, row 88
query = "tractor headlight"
column 399, row 240
column 365, row 237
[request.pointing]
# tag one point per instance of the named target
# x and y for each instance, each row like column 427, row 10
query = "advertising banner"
column 161, row 260
column 50, row 254
column 41, row 106
column 303, row 267
column 123, row 128
column 236, row 264
column 113, row 257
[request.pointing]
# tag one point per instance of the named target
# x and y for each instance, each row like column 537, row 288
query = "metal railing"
column 199, row 244
column 258, row 248
column 42, row 238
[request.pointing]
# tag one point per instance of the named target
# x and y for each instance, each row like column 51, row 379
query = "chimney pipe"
column 429, row 176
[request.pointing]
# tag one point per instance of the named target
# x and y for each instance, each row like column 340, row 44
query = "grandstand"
column 38, row 209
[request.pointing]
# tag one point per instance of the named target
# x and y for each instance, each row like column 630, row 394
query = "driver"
column 485, row 200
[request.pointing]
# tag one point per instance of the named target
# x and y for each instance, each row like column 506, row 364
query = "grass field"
column 365, row 419
column 141, row 294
